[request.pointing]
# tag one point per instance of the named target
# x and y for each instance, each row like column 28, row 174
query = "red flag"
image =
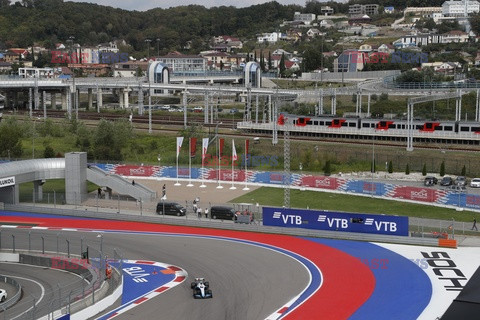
column 193, row 147
column 222, row 143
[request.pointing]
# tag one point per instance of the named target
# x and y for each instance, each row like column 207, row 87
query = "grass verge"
column 348, row 203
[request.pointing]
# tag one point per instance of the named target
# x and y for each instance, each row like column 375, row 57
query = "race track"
column 248, row 282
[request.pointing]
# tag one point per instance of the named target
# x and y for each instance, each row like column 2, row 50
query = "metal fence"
column 12, row 300
column 63, row 253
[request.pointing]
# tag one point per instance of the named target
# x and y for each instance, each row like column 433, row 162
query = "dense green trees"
column 53, row 21
column 11, row 133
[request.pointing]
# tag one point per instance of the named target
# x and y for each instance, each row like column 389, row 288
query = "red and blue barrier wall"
column 380, row 189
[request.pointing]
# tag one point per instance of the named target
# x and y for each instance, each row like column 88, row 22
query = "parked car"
column 446, row 181
column 171, row 208
column 475, row 183
column 222, row 212
column 461, row 181
column 430, row 181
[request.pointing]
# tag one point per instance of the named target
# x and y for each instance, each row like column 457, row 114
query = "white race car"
column 3, row 295
column 201, row 289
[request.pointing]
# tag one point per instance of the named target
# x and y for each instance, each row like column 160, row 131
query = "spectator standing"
column 199, row 212
column 206, row 212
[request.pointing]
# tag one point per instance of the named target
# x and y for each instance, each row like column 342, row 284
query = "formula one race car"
column 3, row 295
column 201, row 289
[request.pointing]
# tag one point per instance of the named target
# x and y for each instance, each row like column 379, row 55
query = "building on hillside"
column 93, row 69
column 326, row 11
column 349, row 61
column 36, row 72
column 460, row 8
column 455, row 36
column 326, row 24
column 362, row 9
column 314, row 32
column 130, row 69
column 270, row 37
column 306, row 18
column 359, row 19
column 226, row 43
column 180, row 63
column 386, row 48
column 5, row 66
column 417, row 40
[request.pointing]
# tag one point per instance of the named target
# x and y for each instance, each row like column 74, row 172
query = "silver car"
column 461, row 181
column 3, row 295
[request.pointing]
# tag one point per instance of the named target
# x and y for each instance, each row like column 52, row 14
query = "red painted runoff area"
column 347, row 282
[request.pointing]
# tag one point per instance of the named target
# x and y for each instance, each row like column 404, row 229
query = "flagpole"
column 178, row 183
column 232, row 187
column 246, row 169
column 218, row 176
column 190, row 163
column 179, row 145
column 203, row 161
column 234, row 158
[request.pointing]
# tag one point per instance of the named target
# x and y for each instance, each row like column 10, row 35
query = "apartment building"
column 361, row 9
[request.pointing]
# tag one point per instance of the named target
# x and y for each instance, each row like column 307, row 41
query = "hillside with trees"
column 51, row 21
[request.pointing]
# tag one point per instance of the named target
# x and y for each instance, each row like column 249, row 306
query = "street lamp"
column 101, row 250
column 219, row 155
column 147, row 41
column 300, row 166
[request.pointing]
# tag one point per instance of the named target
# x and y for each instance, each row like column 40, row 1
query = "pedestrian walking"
column 474, row 224
column 206, row 212
column 133, row 182
column 164, row 191
column 199, row 212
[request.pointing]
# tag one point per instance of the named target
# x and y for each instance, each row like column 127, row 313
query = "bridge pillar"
column 270, row 118
column 30, row 102
column 15, row 99
column 64, row 99
column 125, row 94
column 368, row 105
column 53, row 101
column 7, row 100
column 36, row 96
column 120, row 98
column 99, row 99
column 75, row 177
column 38, row 190
column 90, row 98
column 140, row 100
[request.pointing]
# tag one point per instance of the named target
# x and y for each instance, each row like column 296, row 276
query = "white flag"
column 234, row 152
column 204, row 148
column 179, row 145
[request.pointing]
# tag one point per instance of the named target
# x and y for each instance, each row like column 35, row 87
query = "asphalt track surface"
column 38, row 283
column 248, row 282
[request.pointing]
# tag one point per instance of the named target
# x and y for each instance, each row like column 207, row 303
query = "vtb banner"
column 336, row 221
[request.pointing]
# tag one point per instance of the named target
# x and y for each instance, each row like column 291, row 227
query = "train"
column 390, row 125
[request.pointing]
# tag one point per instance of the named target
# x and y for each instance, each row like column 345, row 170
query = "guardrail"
column 11, row 301
column 229, row 225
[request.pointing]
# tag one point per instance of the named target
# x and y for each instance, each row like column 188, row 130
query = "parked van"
column 171, row 208
column 222, row 212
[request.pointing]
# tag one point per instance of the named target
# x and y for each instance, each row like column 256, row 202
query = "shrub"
column 424, row 169
column 442, row 169
column 407, row 169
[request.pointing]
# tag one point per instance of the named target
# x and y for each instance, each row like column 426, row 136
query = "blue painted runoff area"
column 402, row 289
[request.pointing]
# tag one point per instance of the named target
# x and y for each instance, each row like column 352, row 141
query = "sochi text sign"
column 336, row 221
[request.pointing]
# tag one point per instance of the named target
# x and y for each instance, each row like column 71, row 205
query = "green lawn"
column 339, row 202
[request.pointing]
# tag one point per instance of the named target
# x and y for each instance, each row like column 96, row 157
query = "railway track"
column 174, row 123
